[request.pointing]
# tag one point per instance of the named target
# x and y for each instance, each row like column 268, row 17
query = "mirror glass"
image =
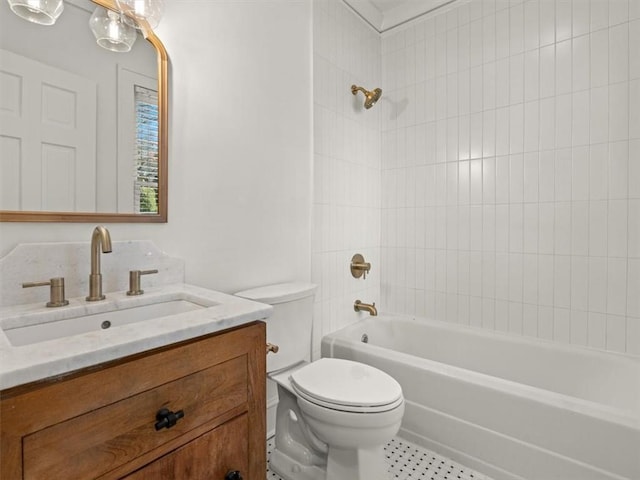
column 82, row 128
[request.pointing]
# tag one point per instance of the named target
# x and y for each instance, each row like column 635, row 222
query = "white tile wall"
column 511, row 169
column 346, row 180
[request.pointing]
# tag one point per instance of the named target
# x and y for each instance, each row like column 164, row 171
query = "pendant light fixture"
column 42, row 12
column 114, row 30
column 111, row 30
column 140, row 11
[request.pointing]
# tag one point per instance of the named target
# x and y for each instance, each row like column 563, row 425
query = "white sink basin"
column 29, row 334
column 37, row 324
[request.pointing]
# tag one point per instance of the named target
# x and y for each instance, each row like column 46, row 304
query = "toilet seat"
column 347, row 386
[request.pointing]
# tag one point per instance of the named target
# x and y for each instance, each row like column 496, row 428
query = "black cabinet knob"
column 233, row 475
column 167, row 419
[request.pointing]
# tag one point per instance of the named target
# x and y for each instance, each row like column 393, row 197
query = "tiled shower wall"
column 511, row 169
column 346, row 201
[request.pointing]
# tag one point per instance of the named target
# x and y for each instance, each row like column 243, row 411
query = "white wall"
column 240, row 146
column 511, row 169
column 346, row 202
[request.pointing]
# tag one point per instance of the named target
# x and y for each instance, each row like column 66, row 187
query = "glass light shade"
column 43, row 12
column 149, row 10
column 111, row 31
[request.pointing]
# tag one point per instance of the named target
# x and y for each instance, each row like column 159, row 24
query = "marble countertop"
column 27, row 363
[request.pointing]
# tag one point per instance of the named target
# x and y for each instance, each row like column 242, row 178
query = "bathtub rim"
column 618, row 415
column 483, row 332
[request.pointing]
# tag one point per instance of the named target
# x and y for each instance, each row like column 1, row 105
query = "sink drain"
column 106, row 324
column 364, row 338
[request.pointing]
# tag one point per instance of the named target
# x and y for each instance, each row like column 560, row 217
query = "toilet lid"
column 347, row 385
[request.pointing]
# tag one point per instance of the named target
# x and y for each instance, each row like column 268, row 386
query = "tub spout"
column 358, row 306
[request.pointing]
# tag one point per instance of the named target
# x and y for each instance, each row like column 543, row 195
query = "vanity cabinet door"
column 208, row 457
column 104, row 439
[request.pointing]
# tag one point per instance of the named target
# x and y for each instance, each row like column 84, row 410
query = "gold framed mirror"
column 124, row 185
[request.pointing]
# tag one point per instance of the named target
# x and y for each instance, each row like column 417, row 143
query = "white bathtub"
column 510, row 407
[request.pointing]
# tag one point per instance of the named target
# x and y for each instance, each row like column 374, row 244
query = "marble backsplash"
column 33, row 262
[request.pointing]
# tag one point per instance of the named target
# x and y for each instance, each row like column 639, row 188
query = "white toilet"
column 334, row 416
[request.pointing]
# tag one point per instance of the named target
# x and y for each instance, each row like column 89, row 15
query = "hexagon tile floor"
column 408, row 461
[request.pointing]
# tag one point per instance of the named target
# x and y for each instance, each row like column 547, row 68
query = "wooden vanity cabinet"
column 100, row 422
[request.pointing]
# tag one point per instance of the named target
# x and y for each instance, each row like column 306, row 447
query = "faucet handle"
column 56, row 293
column 134, row 281
column 359, row 268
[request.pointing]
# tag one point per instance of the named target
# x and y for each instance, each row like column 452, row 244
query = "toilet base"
column 342, row 464
column 289, row 469
column 361, row 464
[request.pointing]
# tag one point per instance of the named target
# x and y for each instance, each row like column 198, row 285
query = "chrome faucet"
column 100, row 239
column 358, row 306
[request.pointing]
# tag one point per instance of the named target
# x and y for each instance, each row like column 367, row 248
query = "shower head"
column 370, row 98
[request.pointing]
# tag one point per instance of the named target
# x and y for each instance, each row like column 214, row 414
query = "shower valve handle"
column 359, row 268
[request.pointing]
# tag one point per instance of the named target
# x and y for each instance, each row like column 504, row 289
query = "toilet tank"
column 289, row 326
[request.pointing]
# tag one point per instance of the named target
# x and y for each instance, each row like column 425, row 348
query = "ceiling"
column 383, row 15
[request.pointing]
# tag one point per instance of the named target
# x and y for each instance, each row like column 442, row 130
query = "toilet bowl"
column 333, row 420
column 333, row 416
